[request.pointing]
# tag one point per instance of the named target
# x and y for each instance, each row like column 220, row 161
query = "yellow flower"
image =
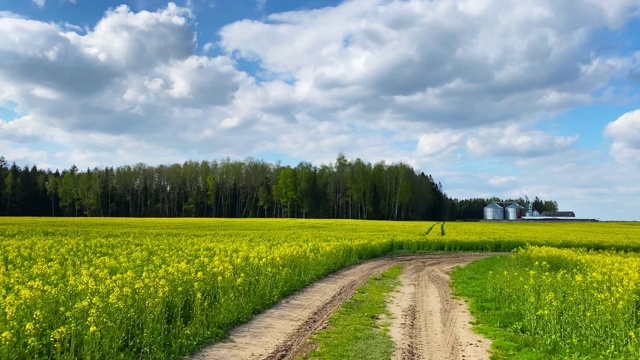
column 5, row 337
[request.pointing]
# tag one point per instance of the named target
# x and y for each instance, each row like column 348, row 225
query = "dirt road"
column 427, row 322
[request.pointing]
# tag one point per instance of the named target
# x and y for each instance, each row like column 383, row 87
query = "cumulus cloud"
column 133, row 73
column 625, row 132
column 436, row 62
column 140, row 40
column 514, row 141
column 437, row 143
column 38, row 55
column 22, row 130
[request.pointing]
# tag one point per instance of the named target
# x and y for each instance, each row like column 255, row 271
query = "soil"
column 426, row 322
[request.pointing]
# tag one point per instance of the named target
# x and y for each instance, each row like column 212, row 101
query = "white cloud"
column 626, row 129
column 45, row 93
column 206, row 81
column 132, row 73
column 40, row 3
column 438, row 143
column 502, row 180
column 229, row 123
column 24, row 155
column 208, row 46
column 436, row 62
column 140, row 40
column 72, row 27
column 625, row 132
column 514, row 141
column 20, row 130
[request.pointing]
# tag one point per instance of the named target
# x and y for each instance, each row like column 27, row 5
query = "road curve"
column 427, row 323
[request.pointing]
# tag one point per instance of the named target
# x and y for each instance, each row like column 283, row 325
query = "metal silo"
column 511, row 211
column 493, row 211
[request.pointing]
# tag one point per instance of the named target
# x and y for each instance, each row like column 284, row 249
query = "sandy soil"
column 426, row 323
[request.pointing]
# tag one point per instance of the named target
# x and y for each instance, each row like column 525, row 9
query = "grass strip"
column 492, row 316
column 357, row 330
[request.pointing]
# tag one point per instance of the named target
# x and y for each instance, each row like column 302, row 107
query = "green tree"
column 68, row 192
column 211, row 194
column 264, row 199
column 9, row 191
column 285, row 190
column 52, row 191
column 305, row 176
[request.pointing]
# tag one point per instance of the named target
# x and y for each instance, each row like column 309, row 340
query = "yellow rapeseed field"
column 559, row 303
column 150, row 288
column 590, row 298
column 506, row 236
column 160, row 288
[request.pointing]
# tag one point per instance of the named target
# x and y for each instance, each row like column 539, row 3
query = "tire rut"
column 429, row 323
column 283, row 332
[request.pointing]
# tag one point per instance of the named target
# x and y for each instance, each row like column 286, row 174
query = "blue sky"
column 493, row 98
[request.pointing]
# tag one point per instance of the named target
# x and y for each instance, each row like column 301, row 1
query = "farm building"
column 559, row 213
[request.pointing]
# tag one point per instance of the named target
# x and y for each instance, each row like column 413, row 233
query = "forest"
column 344, row 189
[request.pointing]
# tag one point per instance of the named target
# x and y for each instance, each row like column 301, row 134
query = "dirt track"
column 427, row 323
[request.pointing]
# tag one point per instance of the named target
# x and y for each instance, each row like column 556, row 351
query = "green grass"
column 357, row 330
column 493, row 319
column 546, row 303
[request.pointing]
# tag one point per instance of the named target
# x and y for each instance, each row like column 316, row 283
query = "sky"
column 501, row 98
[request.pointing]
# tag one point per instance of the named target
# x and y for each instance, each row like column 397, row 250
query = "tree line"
column 344, row 189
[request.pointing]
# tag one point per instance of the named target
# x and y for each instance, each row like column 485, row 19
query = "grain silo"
column 493, row 211
column 513, row 211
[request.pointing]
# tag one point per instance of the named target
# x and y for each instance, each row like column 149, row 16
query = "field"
column 506, row 236
column 162, row 288
column 567, row 303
